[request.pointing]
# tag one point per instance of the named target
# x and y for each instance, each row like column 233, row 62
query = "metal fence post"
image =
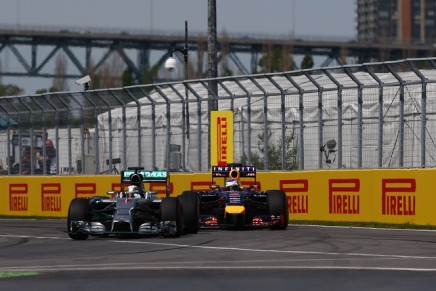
column 401, row 118
column 340, row 103
column 359, row 116
column 423, row 109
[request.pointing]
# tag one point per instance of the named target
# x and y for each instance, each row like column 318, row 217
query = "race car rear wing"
column 145, row 176
column 234, row 171
column 137, row 175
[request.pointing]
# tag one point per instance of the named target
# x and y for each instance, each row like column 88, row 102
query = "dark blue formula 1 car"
column 134, row 210
column 234, row 206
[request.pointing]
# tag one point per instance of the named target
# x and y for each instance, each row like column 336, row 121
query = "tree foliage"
column 307, row 62
column 274, row 153
column 10, row 90
column 43, row 91
column 110, row 73
column 225, row 69
column 59, row 81
column 276, row 60
column 127, row 77
column 150, row 75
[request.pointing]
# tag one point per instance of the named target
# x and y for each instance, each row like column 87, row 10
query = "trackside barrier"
column 385, row 196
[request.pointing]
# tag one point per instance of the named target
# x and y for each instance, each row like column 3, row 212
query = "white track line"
column 104, row 267
column 276, row 251
column 238, row 249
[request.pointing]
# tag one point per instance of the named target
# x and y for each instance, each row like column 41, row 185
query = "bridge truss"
column 33, row 51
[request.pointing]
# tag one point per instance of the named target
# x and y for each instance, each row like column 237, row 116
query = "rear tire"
column 171, row 210
column 278, row 206
column 78, row 211
column 191, row 212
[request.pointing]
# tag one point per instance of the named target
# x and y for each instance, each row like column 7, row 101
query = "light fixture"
column 171, row 65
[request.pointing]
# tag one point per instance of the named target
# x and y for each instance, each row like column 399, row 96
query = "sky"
column 325, row 19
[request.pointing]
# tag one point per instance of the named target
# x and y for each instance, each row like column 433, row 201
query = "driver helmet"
column 133, row 191
column 232, row 184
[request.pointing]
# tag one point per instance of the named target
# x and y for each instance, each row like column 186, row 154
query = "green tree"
column 110, row 74
column 150, row 75
column 274, row 153
column 10, row 90
column 307, row 62
column 276, row 60
column 44, row 90
column 59, row 81
column 95, row 81
column 127, row 78
column 225, row 52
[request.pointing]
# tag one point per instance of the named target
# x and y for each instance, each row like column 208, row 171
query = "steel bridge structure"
column 34, row 49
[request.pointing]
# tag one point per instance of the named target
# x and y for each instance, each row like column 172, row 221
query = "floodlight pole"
column 212, row 54
column 184, row 51
column 213, row 68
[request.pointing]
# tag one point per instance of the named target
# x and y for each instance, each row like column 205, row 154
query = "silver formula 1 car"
column 134, row 210
column 236, row 205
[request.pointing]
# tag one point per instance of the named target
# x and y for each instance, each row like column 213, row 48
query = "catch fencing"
column 375, row 115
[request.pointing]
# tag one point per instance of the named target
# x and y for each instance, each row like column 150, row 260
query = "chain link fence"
column 375, row 115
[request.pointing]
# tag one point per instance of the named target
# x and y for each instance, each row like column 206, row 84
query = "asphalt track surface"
column 38, row 255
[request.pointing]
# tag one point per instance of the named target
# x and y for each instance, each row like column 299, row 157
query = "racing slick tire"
column 171, row 210
column 191, row 212
column 78, row 211
column 278, row 206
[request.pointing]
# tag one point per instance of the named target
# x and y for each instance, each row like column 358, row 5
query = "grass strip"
column 17, row 274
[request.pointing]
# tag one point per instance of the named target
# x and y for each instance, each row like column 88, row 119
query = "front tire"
column 191, row 212
column 78, row 211
column 278, row 206
column 171, row 210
